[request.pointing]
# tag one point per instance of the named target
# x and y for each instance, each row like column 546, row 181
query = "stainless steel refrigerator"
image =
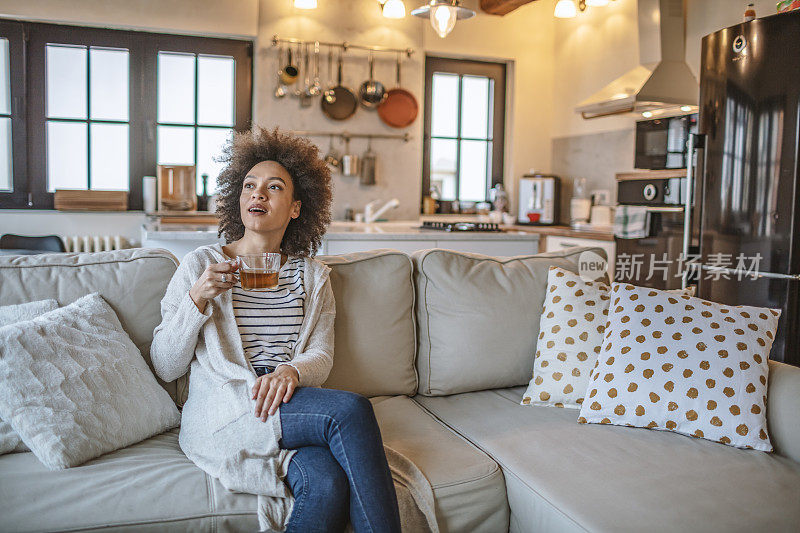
column 746, row 218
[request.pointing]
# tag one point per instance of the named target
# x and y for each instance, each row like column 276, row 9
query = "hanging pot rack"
column 344, row 45
column 346, row 136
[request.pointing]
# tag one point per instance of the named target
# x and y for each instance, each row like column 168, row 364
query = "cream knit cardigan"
column 219, row 430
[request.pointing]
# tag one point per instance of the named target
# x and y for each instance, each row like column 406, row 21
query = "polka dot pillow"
column 570, row 336
column 683, row 364
column 571, row 332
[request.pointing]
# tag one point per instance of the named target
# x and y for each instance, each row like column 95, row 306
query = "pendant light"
column 305, row 4
column 565, row 9
column 393, row 9
column 443, row 14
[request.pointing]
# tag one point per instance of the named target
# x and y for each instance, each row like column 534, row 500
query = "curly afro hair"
column 311, row 178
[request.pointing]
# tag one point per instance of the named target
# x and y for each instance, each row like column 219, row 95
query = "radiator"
column 94, row 243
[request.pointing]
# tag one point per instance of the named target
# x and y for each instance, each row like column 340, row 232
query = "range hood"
column 662, row 85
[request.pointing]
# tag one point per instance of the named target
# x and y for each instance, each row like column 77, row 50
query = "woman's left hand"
column 270, row 389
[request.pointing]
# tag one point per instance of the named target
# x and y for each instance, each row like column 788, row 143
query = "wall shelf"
column 346, row 136
column 344, row 45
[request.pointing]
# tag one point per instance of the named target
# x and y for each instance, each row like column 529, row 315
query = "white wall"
column 41, row 222
column 236, row 18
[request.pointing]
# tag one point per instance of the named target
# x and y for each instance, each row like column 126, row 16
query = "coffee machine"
column 538, row 199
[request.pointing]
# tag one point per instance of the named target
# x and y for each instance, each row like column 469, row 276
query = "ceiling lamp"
column 565, row 9
column 305, row 4
column 393, row 9
column 443, row 14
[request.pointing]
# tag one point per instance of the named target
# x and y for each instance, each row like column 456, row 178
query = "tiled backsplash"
column 598, row 157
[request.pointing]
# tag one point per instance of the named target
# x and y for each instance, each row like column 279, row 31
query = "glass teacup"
column 259, row 272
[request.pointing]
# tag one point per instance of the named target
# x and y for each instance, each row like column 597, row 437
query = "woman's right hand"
column 216, row 279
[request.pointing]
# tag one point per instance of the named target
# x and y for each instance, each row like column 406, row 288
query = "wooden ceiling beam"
column 502, row 7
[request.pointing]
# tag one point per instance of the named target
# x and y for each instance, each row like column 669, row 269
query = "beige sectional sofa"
column 442, row 342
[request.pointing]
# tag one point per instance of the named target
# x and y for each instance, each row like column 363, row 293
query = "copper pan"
column 400, row 108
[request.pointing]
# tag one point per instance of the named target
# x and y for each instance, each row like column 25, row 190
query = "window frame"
column 30, row 174
column 14, row 32
column 466, row 67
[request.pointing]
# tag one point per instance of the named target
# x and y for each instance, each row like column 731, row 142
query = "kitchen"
column 551, row 163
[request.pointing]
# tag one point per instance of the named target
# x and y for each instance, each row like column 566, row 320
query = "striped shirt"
column 269, row 322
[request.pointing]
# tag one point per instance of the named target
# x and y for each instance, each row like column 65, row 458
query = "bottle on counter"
column 202, row 200
column 428, row 205
column 499, row 198
column 434, row 196
column 750, row 13
column 149, row 193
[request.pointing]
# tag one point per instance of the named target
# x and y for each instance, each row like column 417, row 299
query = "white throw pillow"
column 74, row 385
column 571, row 331
column 683, row 364
column 570, row 336
column 10, row 314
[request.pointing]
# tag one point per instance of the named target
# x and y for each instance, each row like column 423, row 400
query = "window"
column 103, row 107
column 464, row 125
column 6, row 163
column 195, row 110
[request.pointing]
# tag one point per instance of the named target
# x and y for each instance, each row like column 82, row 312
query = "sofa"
column 442, row 343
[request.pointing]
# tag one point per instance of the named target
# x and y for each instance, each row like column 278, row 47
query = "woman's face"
column 266, row 203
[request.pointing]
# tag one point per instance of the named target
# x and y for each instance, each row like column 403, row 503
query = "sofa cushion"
column 9, row 314
column 683, row 364
column 570, row 333
column 467, row 485
column 565, row 476
column 150, row 486
column 132, row 281
column 478, row 316
column 75, row 387
column 375, row 335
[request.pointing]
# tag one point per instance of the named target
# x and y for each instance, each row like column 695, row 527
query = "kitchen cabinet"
column 555, row 243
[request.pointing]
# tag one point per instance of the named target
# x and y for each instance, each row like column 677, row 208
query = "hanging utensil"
column 345, row 103
column 350, row 162
column 369, row 163
column 330, row 95
column 316, row 86
column 400, row 108
column 332, row 157
column 372, row 93
column 289, row 72
column 305, row 92
column 298, row 89
column 280, row 90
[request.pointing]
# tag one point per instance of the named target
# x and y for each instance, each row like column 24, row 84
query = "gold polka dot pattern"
column 572, row 325
column 704, row 374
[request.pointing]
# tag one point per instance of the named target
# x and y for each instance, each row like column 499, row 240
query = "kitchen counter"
column 399, row 230
column 344, row 237
column 565, row 231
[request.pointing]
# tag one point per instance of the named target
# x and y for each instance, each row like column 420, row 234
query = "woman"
column 255, row 412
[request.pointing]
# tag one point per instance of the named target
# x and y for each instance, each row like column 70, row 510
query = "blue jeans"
column 340, row 469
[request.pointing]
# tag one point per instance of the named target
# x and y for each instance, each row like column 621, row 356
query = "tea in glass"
column 259, row 272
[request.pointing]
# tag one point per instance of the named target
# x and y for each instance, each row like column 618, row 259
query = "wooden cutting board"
column 76, row 200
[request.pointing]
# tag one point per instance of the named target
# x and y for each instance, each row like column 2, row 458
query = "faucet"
column 370, row 215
